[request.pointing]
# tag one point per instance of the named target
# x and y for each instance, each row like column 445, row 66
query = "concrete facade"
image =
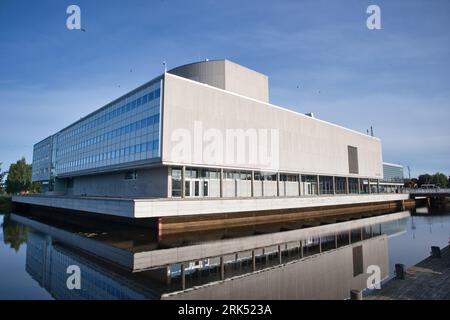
column 228, row 76
column 306, row 145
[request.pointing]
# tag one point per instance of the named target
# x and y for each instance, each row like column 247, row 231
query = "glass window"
column 326, row 184
column 353, row 185
column 205, row 188
column 176, row 182
column 364, row 185
column 340, row 185
column 131, row 175
column 309, row 183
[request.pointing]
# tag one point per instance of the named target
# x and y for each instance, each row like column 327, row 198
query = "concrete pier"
column 168, row 207
column 427, row 280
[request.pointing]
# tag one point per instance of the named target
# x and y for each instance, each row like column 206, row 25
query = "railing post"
column 221, row 183
column 318, row 185
column 278, row 184
column 183, row 182
column 253, row 184
column 183, row 277
column 299, row 185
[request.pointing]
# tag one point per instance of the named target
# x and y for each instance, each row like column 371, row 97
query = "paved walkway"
column 427, row 280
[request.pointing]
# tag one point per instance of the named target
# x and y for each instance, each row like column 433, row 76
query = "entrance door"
column 194, row 188
column 308, row 187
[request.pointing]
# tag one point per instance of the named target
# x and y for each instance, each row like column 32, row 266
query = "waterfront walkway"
column 427, row 280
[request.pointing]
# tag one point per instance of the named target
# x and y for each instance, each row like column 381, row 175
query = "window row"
column 113, row 114
column 152, row 120
column 115, row 154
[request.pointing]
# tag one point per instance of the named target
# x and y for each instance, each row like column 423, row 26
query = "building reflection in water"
column 315, row 262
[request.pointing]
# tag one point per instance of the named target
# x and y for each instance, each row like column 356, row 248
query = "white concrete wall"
column 182, row 207
column 257, row 188
column 306, row 145
column 245, row 81
column 229, row 188
column 290, row 187
column 269, row 188
column 244, row 188
column 214, row 188
column 227, row 75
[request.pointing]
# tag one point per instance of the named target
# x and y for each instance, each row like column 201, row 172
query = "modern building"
column 393, row 178
column 206, row 130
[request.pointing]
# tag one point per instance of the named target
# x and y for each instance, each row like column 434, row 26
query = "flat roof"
column 392, row 164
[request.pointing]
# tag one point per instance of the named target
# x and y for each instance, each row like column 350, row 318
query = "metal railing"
column 427, row 191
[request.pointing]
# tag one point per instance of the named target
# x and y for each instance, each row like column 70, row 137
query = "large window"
column 289, row 177
column 353, row 185
column 340, row 185
column 309, row 185
column 266, row 176
column 237, row 175
column 364, row 186
column 326, row 185
column 176, row 182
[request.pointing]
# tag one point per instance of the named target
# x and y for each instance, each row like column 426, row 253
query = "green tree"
column 439, row 179
column 14, row 234
column 19, row 177
column 424, row 179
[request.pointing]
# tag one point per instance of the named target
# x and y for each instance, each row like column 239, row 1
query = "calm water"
column 34, row 255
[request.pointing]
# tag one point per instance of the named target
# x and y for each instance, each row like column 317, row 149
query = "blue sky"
column 396, row 79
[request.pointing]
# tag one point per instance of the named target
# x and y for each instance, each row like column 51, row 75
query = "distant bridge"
column 429, row 193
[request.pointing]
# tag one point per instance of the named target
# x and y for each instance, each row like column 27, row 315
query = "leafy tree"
column 19, row 177
column 424, row 179
column 14, row 234
column 439, row 179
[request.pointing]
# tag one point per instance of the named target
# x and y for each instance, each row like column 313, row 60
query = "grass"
column 5, row 204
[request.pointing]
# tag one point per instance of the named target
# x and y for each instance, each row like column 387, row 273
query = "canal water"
column 319, row 260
